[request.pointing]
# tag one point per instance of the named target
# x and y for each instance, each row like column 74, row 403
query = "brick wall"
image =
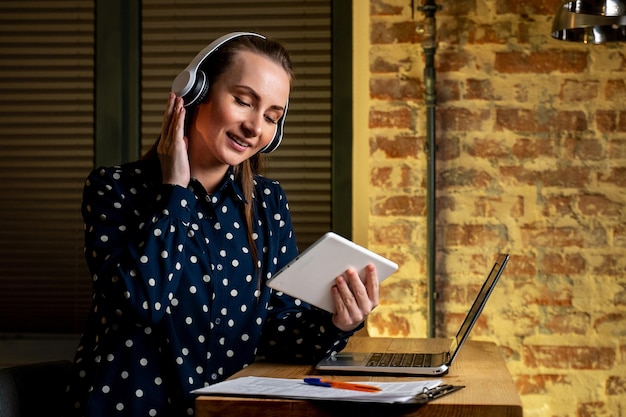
column 531, row 160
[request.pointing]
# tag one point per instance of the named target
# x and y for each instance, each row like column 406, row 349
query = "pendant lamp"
column 591, row 21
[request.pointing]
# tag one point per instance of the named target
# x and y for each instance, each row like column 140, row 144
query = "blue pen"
column 341, row 385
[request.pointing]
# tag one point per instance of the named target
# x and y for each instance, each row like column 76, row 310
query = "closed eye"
column 271, row 120
column 241, row 102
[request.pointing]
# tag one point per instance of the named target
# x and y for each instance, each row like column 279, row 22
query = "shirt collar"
column 227, row 187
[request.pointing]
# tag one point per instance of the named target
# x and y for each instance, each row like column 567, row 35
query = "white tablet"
column 311, row 275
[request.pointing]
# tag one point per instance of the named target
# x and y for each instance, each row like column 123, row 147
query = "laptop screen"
column 479, row 303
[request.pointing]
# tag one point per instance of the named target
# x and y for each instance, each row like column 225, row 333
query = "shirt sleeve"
column 134, row 243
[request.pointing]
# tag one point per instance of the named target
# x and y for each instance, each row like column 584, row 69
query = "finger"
column 358, row 291
column 372, row 284
column 342, row 319
column 165, row 139
column 173, row 134
column 169, row 108
column 353, row 297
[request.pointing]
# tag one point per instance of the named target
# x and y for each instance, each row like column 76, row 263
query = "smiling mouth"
column 238, row 141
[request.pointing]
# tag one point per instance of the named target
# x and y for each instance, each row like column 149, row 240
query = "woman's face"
column 240, row 115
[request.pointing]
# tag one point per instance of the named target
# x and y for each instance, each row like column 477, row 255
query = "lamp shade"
column 591, row 21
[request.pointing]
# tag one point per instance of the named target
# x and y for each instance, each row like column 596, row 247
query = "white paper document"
column 252, row 386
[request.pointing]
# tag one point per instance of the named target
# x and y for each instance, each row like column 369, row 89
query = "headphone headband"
column 192, row 83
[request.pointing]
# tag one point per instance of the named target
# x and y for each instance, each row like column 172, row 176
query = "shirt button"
column 213, row 376
column 218, row 320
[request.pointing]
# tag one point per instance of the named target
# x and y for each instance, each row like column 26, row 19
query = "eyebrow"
column 257, row 97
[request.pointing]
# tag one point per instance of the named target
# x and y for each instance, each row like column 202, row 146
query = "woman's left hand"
column 354, row 299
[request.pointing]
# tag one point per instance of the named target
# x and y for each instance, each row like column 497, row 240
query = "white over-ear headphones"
column 192, row 83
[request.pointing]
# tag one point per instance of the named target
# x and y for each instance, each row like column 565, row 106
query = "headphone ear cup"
column 199, row 91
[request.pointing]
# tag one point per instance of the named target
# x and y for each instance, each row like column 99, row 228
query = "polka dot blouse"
column 178, row 301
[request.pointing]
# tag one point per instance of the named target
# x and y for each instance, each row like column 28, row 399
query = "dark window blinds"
column 47, row 132
column 46, row 141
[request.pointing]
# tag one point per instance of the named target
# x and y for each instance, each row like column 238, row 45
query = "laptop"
column 417, row 363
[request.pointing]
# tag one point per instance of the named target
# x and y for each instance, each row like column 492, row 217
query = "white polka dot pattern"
column 176, row 299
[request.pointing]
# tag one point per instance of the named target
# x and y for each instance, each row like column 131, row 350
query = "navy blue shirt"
column 179, row 302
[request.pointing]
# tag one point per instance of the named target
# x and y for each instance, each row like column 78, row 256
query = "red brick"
column 449, row 61
column 568, row 323
column 568, row 177
column 615, row 176
column 462, row 177
column 456, row 8
column 556, row 237
column 616, row 91
column 522, row 265
column 592, row 409
column 558, row 205
column 519, row 120
column 611, row 265
column 398, row 117
column 594, row 204
column 575, row 177
column 448, row 147
column 569, row 120
column 621, row 124
column 478, row 234
column 461, row 119
column 395, row 325
column 489, row 148
column 381, row 177
column 525, row 148
column 399, row 290
column 617, row 149
column 548, row 295
column 380, row 65
column 615, row 385
column 585, row 149
column 478, row 89
column 398, row 233
column 396, row 32
column 382, row 8
column 568, row 357
column 578, row 91
column 541, row 62
column 528, row 7
column 402, row 205
column 497, row 33
column 402, row 147
column 409, row 177
column 538, row 384
column 606, row 121
column 395, row 89
column 447, row 91
column 559, row 264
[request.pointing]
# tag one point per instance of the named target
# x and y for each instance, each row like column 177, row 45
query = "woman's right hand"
column 172, row 148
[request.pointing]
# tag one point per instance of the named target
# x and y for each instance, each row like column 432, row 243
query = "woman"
column 181, row 243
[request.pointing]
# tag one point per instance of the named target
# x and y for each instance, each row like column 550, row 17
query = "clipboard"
column 311, row 275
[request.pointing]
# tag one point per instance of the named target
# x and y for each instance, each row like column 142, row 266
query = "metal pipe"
column 429, row 45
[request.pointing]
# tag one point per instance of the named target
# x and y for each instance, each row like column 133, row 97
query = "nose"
column 253, row 125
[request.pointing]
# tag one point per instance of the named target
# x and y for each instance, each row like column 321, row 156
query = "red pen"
column 341, row 385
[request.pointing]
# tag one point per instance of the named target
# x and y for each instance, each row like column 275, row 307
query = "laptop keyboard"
column 401, row 360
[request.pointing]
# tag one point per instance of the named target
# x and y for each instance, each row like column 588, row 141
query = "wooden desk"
column 489, row 389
